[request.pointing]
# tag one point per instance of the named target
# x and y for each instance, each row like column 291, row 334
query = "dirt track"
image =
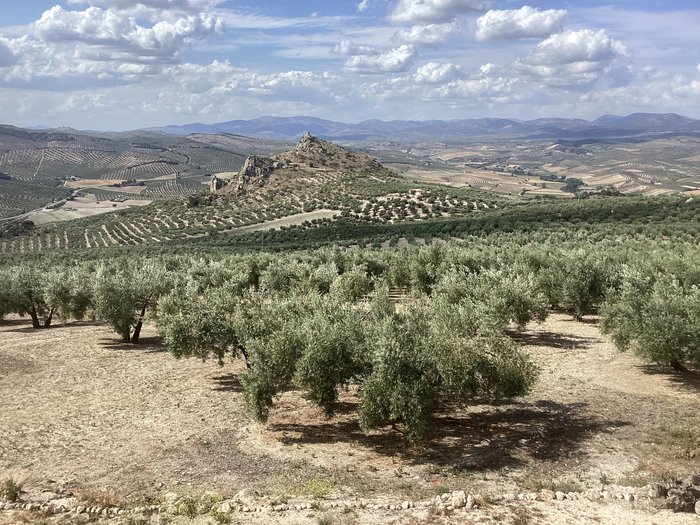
column 84, row 413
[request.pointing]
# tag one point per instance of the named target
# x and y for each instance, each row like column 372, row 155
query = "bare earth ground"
column 80, row 207
column 81, row 412
column 289, row 220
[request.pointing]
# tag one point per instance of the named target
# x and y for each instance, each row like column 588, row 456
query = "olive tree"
column 197, row 322
column 658, row 319
column 418, row 365
column 406, row 364
column 68, row 292
column 583, row 282
column 497, row 297
column 122, row 295
column 305, row 342
column 351, row 286
column 23, row 292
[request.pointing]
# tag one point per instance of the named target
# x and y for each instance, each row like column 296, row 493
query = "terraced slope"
column 38, row 168
column 310, row 186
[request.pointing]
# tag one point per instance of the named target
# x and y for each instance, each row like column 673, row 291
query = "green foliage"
column 322, row 277
column 417, row 366
column 504, row 296
column 658, row 319
column 11, row 489
column 584, row 281
column 268, row 331
column 351, row 286
column 195, row 324
column 23, row 291
column 332, row 354
column 68, row 292
column 124, row 294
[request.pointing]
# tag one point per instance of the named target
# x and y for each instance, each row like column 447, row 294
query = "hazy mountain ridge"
column 607, row 126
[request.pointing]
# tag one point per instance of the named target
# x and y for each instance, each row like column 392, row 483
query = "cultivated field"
column 651, row 167
column 38, row 168
column 310, row 189
column 80, row 207
column 112, row 424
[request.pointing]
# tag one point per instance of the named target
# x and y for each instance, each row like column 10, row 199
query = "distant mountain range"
column 642, row 125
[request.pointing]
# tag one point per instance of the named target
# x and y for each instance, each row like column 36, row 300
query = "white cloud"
column 110, row 30
column 576, row 58
column 570, row 47
column 437, row 73
column 363, row 6
column 426, row 34
column 433, row 11
column 397, row 60
column 526, row 22
column 348, row 48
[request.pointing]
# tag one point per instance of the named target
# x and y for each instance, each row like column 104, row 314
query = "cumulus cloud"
column 574, row 58
column 433, row 11
column 397, row 60
column 584, row 45
column 429, row 34
column 437, row 73
column 348, row 48
column 107, row 28
column 526, row 22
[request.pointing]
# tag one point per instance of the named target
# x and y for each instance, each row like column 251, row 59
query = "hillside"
column 319, row 193
column 309, row 187
column 43, row 167
column 311, row 161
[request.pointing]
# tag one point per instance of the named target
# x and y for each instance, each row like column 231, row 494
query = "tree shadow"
column 145, row 345
column 485, row 437
column 228, row 383
column 689, row 381
column 15, row 322
column 26, row 325
column 553, row 340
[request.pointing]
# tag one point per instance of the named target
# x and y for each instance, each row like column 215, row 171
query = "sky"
column 128, row 64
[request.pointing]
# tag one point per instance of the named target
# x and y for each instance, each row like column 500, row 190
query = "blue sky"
column 125, row 64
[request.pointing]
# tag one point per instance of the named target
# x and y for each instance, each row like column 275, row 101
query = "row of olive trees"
column 407, row 363
column 325, row 324
column 657, row 316
column 119, row 294
column 320, row 321
column 43, row 294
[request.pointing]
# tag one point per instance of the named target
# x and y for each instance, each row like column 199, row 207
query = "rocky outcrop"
column 311, row 154
column 254, row 172
column 216, row 184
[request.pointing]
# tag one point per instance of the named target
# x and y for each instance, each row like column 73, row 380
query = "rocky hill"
column 312, row 158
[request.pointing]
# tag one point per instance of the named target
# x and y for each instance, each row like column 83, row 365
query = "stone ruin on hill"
column 310, row 152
